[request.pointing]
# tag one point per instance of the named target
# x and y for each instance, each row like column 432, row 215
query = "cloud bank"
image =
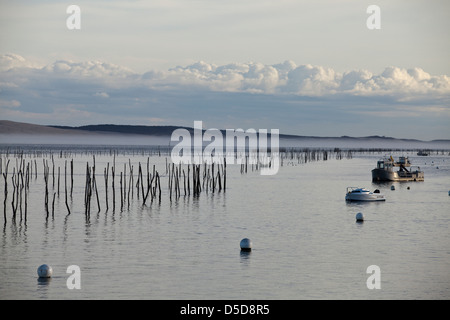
column 305, row 80
column 252, row 77
column 73, row 92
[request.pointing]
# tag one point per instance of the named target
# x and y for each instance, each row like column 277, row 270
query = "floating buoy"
column 407, row 188
column 392, row 188
column 359, row 217
column 45, row 271
column 246, row 244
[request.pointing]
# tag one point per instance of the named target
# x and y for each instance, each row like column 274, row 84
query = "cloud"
column 286, row 95
column 92, row 69
column 101, row 95
column 9, row 104
column 252, row 77
column 312, row 80
column 303, row 80
column 14, row 61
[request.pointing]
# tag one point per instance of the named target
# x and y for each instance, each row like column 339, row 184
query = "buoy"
column 246, row 244
column 45, row 271
column 407, row 188
column 392, row 188
column 359, row 217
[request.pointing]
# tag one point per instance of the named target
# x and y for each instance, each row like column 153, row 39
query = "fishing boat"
column 422, row 153
column 362, row 194
column 386, row 171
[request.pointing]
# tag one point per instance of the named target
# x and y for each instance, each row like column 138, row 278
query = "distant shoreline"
column 19, row 133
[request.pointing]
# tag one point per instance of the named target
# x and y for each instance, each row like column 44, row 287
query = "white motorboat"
column 362, row 194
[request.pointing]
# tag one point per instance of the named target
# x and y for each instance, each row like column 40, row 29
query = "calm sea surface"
column 306, row 242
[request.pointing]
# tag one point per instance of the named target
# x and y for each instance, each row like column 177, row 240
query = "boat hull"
column 365, row 197
column 386, row 175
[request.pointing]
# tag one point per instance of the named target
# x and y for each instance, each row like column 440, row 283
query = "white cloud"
column 12, row 61
column 101, row 95
column 312, row 80
column 93, row 69
column 304, row 80
column 253, row 77
column 287, row 94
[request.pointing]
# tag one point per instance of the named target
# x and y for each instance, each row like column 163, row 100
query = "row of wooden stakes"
column 146, row 186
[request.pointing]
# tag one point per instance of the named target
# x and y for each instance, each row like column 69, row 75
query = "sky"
column 304, row 67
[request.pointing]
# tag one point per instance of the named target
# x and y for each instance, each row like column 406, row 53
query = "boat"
column 386, row 170
column 362, row 194
column 422, row 153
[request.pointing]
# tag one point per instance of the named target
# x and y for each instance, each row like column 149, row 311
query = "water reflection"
column 44, row 281
column 245, row 257
column 43, row 285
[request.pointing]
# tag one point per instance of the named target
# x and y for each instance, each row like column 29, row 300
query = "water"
column 306, row 243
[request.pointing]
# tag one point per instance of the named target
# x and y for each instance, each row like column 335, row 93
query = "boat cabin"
column 389, row 163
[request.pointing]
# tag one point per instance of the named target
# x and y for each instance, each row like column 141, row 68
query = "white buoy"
column 359, row 217
column 392, row 188
column 45, row 271
column 246, row 244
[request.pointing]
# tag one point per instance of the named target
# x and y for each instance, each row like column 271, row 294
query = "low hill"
column 18, row 132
